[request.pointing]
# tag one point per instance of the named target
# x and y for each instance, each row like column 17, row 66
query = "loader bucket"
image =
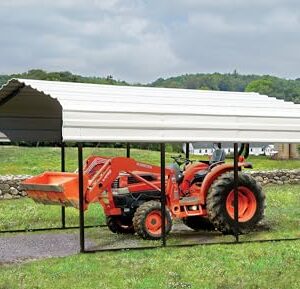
column 54, row 188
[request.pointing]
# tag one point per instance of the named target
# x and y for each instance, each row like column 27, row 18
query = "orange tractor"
column 201, row 194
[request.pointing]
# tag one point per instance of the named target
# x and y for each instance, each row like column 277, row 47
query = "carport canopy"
column 37, row 110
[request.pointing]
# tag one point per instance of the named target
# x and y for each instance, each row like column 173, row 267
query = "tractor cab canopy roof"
column 35, row 110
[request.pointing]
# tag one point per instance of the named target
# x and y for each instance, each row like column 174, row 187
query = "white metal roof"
column 51, row 110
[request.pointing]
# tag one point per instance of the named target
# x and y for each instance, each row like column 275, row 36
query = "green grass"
column 24, row 160
column 265, row 163
column 267, row 265
column 26, row 214
column 255, row 265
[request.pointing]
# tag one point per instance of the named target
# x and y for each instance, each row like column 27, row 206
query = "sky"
column 142, row 40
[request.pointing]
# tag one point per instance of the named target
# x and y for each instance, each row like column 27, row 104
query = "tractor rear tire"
column 198, row 223
column 147, row 220
column 120, row 225
column 219, row 203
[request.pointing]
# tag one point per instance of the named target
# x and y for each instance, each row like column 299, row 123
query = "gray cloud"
column 143, row 40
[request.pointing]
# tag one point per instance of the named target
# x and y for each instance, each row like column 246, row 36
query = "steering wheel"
column 180, row 160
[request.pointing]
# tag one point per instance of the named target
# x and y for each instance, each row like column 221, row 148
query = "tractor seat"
column 217, row 156
column 199, row 176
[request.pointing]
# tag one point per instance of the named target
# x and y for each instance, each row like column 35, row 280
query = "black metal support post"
column 163, row 192
column 63, row 169
column 187, row 150
column 128, row 150
column 81, row 198
column 235, row 201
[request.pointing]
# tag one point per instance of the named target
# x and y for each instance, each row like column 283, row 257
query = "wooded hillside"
column 288, row 90
column 272, row 86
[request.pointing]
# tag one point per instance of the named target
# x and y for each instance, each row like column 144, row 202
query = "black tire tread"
column 215, row 203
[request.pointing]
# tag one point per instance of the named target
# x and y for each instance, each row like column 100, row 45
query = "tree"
column 263, row 86
column 288, row 90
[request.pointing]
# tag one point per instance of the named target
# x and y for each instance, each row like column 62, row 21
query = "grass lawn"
column 24, row 160
column 266, row 265
column 26, row 214
column 255, row 265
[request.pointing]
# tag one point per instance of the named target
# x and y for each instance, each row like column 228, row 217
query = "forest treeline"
column 281, row 88
column 61, row 76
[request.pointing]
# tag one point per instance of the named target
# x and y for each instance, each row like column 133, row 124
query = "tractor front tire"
column 120, row 225
column 147, row 221
column 198, row 223
column 220, row 200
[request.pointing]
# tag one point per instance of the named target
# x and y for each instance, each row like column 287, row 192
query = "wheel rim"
column 153, row 223
column 246, row 204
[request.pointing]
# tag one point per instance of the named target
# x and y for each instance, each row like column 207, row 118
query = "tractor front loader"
column 129, row 191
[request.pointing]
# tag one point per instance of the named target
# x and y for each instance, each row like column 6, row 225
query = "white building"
column 201, row 148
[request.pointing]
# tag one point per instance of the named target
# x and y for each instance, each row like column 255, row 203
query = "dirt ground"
column 32, row 246
column 28, row 246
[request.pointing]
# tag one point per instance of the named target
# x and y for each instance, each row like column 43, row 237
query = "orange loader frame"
column 99, row 174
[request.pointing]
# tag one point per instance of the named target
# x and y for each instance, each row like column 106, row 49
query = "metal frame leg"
column 235, row 201
column 81, row 198
column 187, row 150
column 63, row 169
column 163, row 193
column 128, row 150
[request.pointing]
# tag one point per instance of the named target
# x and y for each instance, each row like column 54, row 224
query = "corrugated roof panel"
column 93, row 112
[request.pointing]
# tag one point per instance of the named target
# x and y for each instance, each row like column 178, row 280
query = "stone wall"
column 279, row 177
column 10, row 185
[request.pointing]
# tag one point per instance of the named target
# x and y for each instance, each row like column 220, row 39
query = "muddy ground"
column 32, row 246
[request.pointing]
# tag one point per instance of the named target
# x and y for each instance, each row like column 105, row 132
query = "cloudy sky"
column 141, row 40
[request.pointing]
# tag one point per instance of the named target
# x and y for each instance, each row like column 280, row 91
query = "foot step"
column 189, row 201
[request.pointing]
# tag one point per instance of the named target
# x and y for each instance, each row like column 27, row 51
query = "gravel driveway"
column 28, row 246
column 37, row 246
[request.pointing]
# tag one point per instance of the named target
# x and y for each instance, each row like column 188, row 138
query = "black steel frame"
column 163, row 203
column 163, row 210
column 82, row 226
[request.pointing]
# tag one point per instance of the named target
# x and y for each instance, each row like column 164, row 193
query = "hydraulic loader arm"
column 99, row 173
column 110, row 170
